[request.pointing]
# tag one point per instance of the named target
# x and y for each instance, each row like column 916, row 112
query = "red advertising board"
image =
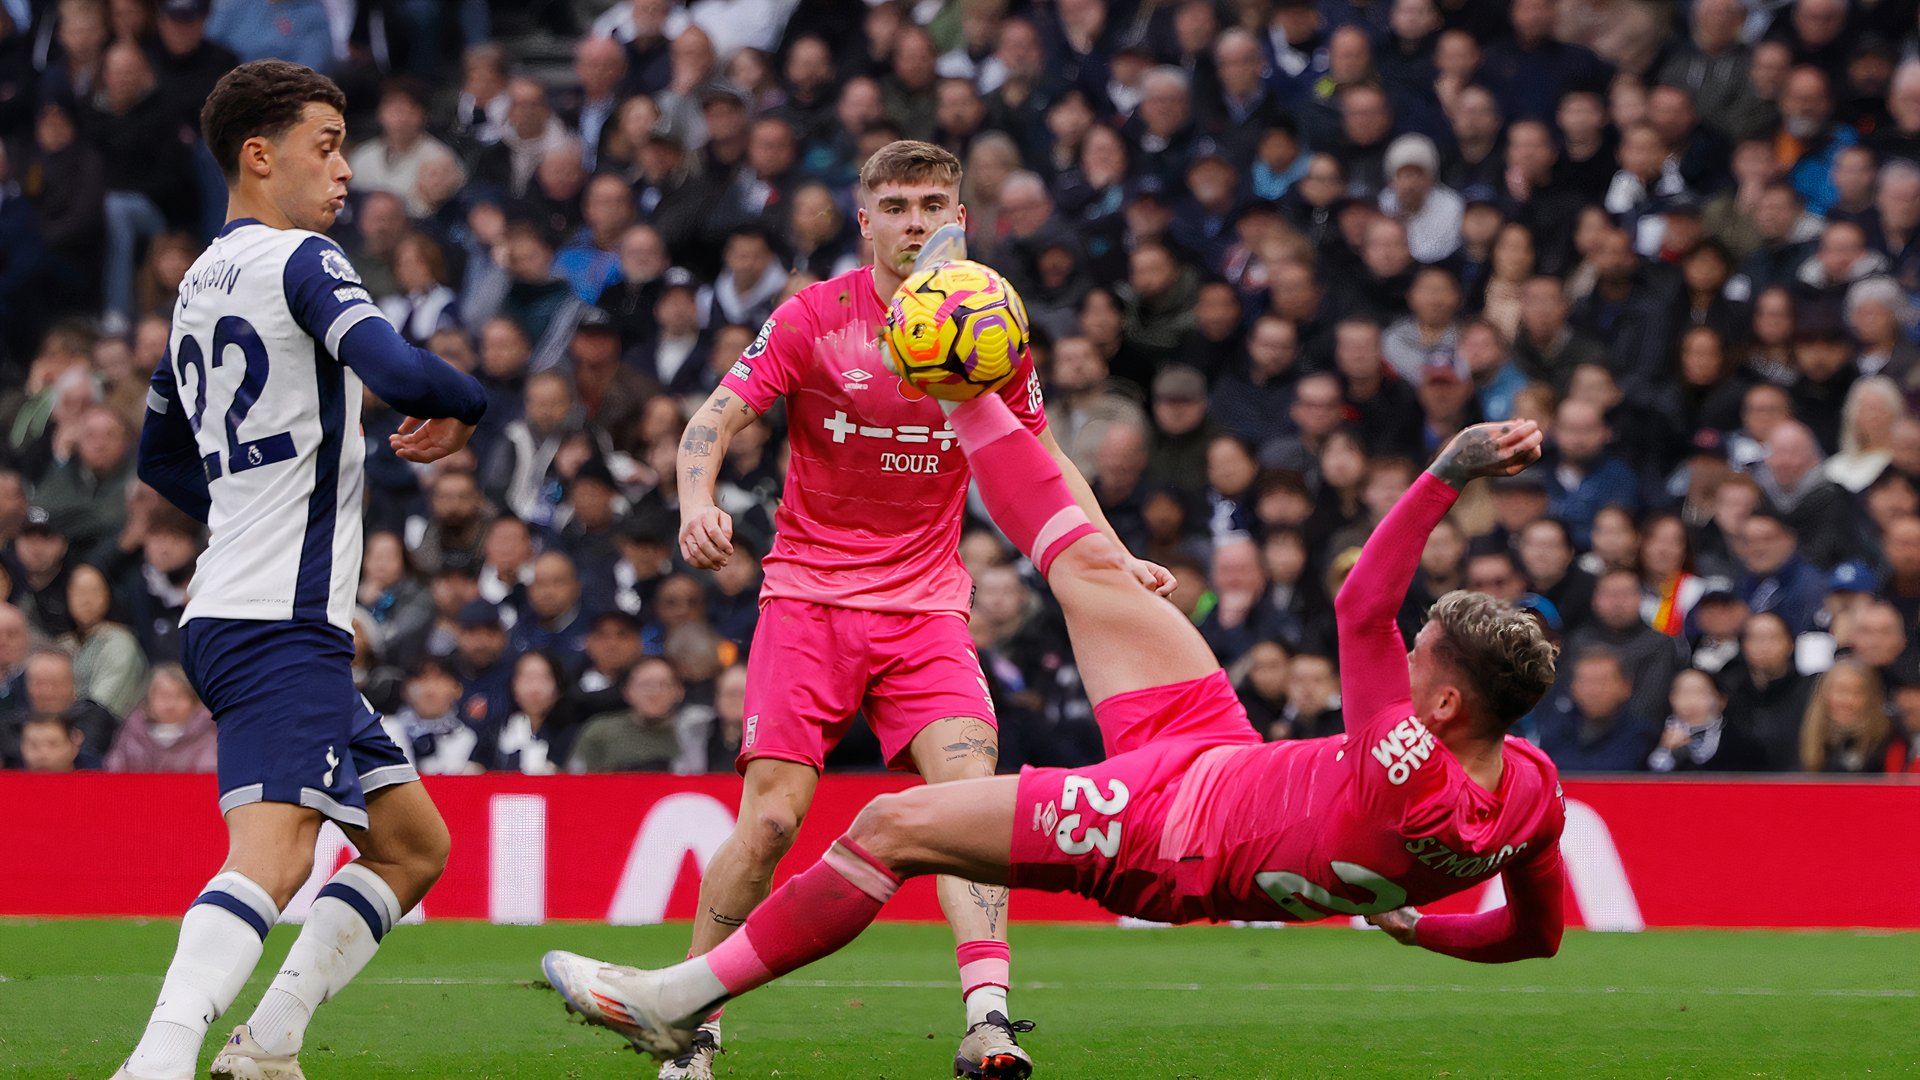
column 629, row 849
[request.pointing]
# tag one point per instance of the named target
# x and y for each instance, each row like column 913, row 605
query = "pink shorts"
column 1097, row 830
column 813, row 666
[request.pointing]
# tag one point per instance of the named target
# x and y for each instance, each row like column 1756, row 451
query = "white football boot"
column 622, row 999
column 696, row 1061
column 243, row 1058
column 990, row 1051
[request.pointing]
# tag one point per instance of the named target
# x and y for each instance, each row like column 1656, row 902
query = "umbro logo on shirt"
column 857, row 379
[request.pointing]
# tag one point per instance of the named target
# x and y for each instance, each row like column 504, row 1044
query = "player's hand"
column 1502, row 448
column 706, row 538
column 1158, row 579
column 423, row 441
column 1398, row 924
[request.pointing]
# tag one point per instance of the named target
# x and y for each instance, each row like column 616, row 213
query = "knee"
column 885, row 827
column 427, row 855
column 281, row 877
column 415, row 861
column 767, row 832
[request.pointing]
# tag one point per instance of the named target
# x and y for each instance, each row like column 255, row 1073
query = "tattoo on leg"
column 991, row 899
column 977, row 740
column 725, row 920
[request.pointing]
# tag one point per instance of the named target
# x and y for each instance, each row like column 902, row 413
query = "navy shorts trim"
column 291, row 725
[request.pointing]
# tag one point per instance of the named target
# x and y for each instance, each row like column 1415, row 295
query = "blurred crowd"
column 1275, row 251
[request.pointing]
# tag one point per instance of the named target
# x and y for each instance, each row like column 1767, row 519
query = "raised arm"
column 706, row 531
column 1373, row 655
column 1527, row 926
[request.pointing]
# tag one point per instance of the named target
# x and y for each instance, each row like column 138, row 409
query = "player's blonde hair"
column 909, row 161
column 1501, row 651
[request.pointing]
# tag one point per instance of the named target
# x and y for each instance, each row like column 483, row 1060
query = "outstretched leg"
column 964, row 828
column 1124, row 637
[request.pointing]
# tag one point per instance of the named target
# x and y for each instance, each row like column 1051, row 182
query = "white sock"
column 983, row 1000
column 690, row 988
column 220, row 942
column 352, row 913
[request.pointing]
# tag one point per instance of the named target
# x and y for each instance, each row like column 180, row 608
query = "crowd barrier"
column 629, row 849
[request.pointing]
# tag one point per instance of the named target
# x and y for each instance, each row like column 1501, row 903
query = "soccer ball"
column 956, row 330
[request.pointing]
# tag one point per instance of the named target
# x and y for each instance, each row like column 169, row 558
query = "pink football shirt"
column 1378, row 818
column 871, row 514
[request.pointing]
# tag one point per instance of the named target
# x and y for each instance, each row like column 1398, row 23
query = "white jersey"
column 276, row 421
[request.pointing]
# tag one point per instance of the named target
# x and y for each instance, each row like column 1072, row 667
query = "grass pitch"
column 462, row 1000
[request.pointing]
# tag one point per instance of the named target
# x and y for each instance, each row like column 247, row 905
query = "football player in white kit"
column 253, row 426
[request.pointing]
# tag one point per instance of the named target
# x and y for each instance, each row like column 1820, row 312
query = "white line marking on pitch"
column 1193, row 987
column 1311, row 988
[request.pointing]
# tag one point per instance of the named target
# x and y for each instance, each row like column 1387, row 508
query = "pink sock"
column 983, row 963
column 1019, row 480
column 817, row 912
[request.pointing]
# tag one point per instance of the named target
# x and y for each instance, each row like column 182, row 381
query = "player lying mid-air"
column 1193, row 817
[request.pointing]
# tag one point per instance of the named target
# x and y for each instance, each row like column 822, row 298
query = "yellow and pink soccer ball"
column 955, row 330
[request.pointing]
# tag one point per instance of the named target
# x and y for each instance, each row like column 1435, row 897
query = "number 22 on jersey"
column 241, row 454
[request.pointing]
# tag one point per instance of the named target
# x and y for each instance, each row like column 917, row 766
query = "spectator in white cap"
column 1414, row 196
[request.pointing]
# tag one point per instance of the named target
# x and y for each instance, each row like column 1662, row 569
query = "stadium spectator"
column 430, row 729
column 1775, row 576
column 536, row 737
column 1698, row 735
column 108, row 666
column 1313, row 697
column 54, row 743
column 480, row 664
column 1846, row 728
column 1591, row 725
column 51, row 692
column 170, row 732
column 553, row 619
column 1766, row 691
column 1648, row 657
column 656, row 732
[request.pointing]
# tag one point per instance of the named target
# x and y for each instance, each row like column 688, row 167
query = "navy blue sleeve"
column 169, row 457
column 328, row 301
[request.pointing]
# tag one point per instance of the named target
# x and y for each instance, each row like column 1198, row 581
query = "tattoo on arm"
column 1471, row 453
column 700, row 439
column 977, row 740
column 991, row 899
column 694, row 472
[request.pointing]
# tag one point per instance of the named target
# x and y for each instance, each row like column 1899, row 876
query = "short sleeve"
column 1022, row 394
column 770, row 367
column 325, row 293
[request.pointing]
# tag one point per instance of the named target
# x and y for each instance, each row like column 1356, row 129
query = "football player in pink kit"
column 1193, row 817
column 864, row 607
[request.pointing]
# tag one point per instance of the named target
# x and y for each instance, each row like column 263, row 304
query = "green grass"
column 460, row 1000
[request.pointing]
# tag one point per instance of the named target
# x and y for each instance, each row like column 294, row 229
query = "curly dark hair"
column 265, row 97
